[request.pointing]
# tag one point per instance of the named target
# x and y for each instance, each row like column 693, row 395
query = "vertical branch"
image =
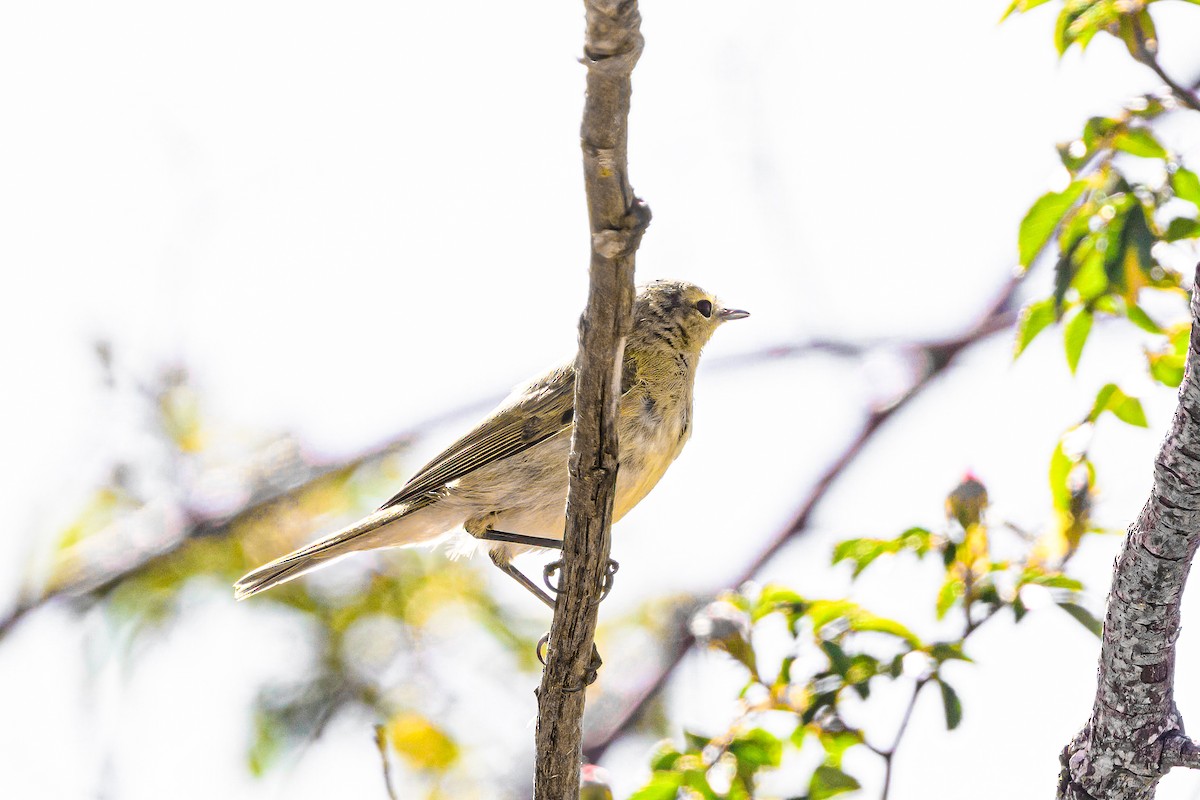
column 1135, row 734
column 618, row 219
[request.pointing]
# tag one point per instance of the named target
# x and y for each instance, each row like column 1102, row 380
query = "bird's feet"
column 589, row 672
column 551, row 569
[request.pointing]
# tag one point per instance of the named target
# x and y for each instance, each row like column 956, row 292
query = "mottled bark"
column 618, row 219
column 1135, row 734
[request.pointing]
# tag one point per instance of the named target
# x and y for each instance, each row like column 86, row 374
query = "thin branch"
column 939, row 356
column 890, row 753
column 130, row 561
column 1180, row 751
column 381, row 743
column 1147, row 53
column 618, row 219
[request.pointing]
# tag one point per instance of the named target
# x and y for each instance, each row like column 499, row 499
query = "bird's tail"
column 337, row 544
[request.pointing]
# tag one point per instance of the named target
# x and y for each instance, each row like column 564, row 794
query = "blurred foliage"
column 836, row 653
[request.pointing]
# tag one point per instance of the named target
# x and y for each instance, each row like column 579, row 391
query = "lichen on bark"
column 1135, row 733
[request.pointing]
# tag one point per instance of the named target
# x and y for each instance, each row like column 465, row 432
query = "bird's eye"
column 704, row 307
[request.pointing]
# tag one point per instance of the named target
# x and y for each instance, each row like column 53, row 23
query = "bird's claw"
column 552, row 569
column 548, row 572
column 589, row 672
column 610, row 570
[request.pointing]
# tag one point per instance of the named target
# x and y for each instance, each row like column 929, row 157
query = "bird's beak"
column 728, row 314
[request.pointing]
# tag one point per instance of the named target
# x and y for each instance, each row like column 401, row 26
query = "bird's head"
column 681, row 313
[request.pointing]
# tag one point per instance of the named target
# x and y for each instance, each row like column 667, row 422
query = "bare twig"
column 135, row 561
column 890, row 753
column 1147, row 53
column 381, row 743
column 1135, row 734
column 618, row 219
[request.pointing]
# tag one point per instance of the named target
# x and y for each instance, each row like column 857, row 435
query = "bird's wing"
column 543, row 409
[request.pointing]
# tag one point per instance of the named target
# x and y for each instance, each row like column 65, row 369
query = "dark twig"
column 381, row 743
column 618, row 219
column 890, row 753
column 137, row 561
column 1147, row 54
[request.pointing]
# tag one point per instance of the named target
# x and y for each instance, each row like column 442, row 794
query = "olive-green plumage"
column 510, row 472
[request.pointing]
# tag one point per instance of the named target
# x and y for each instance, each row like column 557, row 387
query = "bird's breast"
column 653, row 430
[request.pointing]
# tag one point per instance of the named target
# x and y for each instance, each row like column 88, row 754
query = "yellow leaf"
column 420, row 742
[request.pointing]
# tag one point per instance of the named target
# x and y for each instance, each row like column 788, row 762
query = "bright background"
column 345, row 219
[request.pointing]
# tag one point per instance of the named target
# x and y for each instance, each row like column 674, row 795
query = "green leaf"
column 1081, row 20
column 757, row 748
column 836, row 743
column 1064, row 270
column 947, row 651
column 838, row 660
column 664, row 756
column 1182, row 228
column 662, row 786
column 1021, row 6
column 1114, row 242
column 1125, row 408
column 696, row 741
column 817, row 703
column 1075, row 337
column 779, row 599
column 1019, row 608
column 828, row 781
column 1083, row 617
column 697, row 781
column 1139, row 142
column 1139, row 317
column 916, row 539
column 950, row 592
column 1186, row 185
column 951, row 704
column 862, row 668
column 1062, row 25
column 269, row 735
column 867, row 621
column 857, row 618
column 785, row 671
column 1137, row 237
column 1035, row 317
column 1097, row 130
column 1130, row 411
column 1166, row 369
column 1042, row 218
column 1060, row 471
column 1051, row 580
column 1166, row 366
column 863, row 551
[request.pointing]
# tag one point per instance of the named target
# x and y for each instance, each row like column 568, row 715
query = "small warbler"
column 505, row 482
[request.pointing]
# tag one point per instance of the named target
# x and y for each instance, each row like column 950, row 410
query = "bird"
column 505, row 481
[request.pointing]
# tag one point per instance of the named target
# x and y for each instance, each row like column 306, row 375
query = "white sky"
column 344, row 219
